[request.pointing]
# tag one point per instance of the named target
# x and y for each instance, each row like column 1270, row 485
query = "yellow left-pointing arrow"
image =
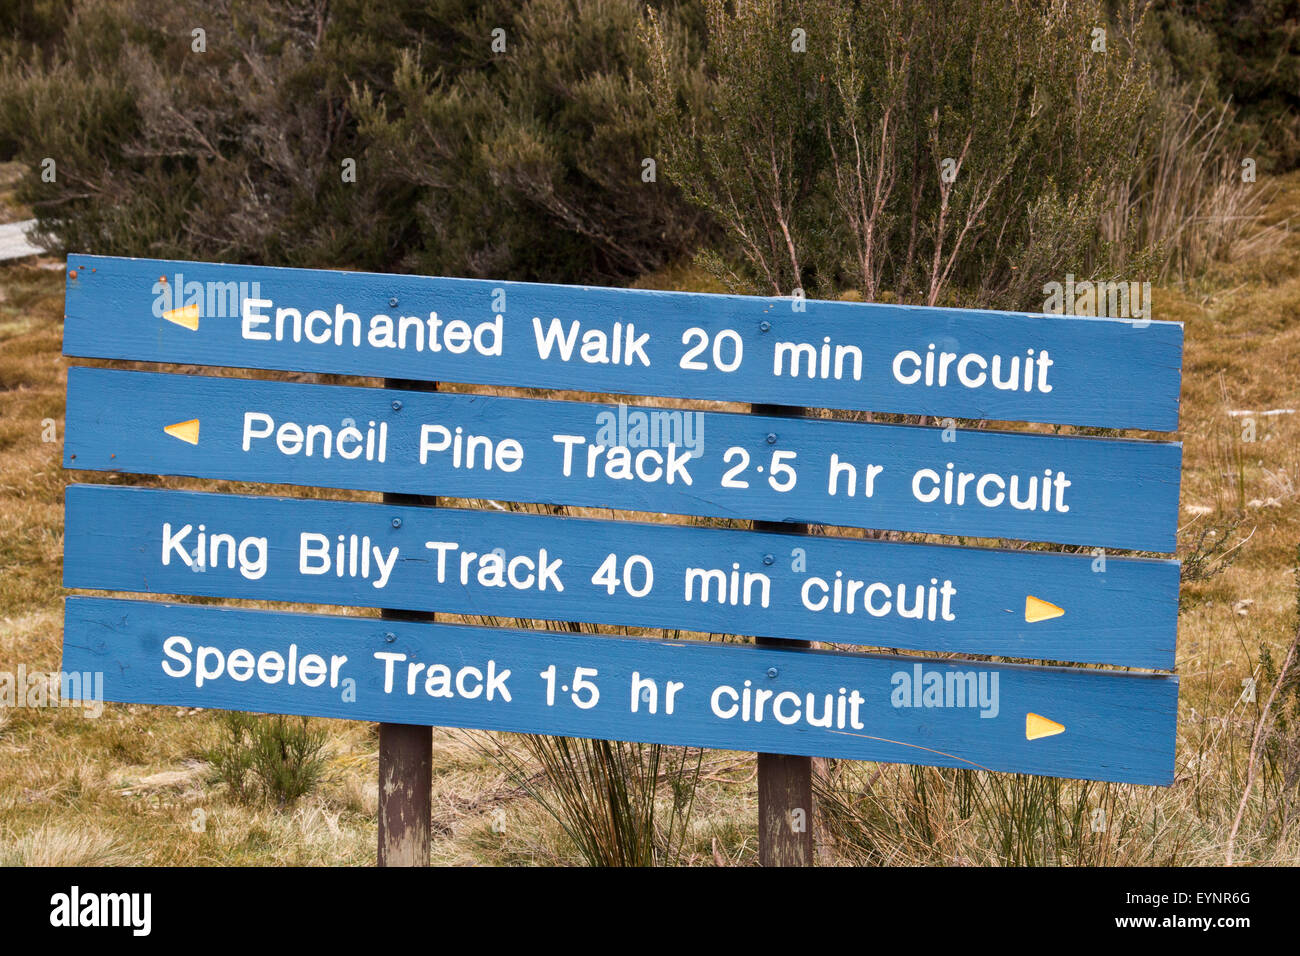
column 188, row 317
column 185, row 431
column 1036, row 726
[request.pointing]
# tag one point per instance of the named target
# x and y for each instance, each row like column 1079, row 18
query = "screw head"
column 768, row 559
column 397, row 522
column 771, row 672
column 397, row 406
column 390, row 637
column 764, row 326
column 392, row 301
column 771, row 438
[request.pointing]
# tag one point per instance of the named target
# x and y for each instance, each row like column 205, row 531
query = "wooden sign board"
column 1107, row 493
column 959, row 363
column 1063, row 722
column 1091, row 607
column 1039, row 605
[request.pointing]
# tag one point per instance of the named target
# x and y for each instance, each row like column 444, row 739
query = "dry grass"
column 132, row 787
column 1189, row 202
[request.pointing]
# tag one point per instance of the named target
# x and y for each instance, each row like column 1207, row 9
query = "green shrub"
column 232, row 756
column 1247, row 52
column 33, row 27
column 524, row 163
column 277, row 759
column 827, row 165
column 531, row 164
column 939, row 154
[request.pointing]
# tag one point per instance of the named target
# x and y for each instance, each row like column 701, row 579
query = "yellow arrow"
column 1036, row 726
column 1037, row 610
column 187, row 317
column 185, row 431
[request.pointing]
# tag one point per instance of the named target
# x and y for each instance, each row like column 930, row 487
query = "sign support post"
column 785, row 836
column 406, row 750
column 405, row 794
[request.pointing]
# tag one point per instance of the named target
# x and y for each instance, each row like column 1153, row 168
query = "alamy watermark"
column 76, row 908
column 1110, row 299
column 630, row 427
column 23, row 688
column 946, row 687
column 216, row 300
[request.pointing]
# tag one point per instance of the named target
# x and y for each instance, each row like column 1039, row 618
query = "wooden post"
column 785, row 812
column 406, row 750
column 405, row 794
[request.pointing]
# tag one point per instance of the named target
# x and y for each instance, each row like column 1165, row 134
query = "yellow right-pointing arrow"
column 187, row 317
column 1036, row 726
column 185, row 431
column 1036, row 609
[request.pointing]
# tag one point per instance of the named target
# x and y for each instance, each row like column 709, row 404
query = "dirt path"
column 14, row 243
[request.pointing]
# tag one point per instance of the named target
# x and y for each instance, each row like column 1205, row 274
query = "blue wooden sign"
column 1065, row 722
column 1027, row 604
column 960, row 363
column 1089, row 491
column 1090, row 608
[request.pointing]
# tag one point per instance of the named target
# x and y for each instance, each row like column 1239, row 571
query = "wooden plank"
column 1081, row 723
column 1116, row 373
column 1028, row 604
column 1096, row 492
